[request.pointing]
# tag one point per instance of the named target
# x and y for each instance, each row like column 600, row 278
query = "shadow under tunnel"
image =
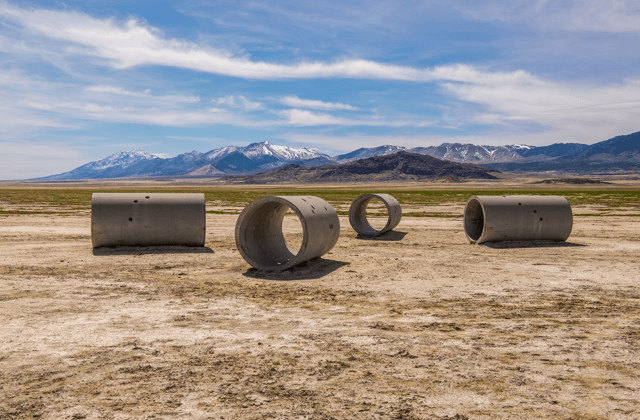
column 143, row 250
column 309, row 270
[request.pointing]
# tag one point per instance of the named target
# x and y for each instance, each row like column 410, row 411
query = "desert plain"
column 416, row 324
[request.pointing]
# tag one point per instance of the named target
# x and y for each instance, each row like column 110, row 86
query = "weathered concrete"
column 139, row 219
column 517, row 217
column 259, row 236
column 358, row 214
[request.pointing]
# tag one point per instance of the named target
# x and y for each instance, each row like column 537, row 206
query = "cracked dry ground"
column 419, row 324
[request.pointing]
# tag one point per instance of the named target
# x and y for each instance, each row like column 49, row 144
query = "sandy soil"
column 416, row 324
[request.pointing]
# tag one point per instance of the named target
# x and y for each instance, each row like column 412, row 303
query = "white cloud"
column 610, row 16
column 133, row 43
column 153, row 116
column 238, row 101
column 570, row 111
column 302, row 117
column 115, row 90
column 295, row 102
column 30, row 103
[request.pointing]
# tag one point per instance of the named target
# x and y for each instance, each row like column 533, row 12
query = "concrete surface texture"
column 260, row 239
column 358, row 214
column 517, row 217
column 147, row 219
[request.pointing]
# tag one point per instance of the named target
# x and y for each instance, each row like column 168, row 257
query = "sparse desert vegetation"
column 415, row 324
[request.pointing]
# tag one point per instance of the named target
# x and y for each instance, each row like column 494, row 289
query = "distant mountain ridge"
column 400, row 166
column 621, row 152
column 231, row 159
column 618, row 153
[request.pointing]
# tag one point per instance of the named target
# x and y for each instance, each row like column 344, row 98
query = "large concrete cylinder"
column 259, row 236
column 517, row 217
column 358, row 214
column 139, row 219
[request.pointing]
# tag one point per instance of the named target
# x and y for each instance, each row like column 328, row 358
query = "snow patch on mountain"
column 121, row 159
column 290, row 154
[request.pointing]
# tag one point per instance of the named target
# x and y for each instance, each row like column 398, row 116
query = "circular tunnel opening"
column 473, row 220
column 376, row 214
column 271, row 235
column 373, row 214
column 292, row 231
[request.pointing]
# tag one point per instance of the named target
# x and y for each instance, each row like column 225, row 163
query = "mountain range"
column 400, row 166
column 618, row 153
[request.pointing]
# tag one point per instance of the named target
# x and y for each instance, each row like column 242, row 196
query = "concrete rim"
column 473, row 219
column 358, row 214
column 261, row 242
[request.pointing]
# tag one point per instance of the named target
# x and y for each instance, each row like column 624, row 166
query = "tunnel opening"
column 474, row 220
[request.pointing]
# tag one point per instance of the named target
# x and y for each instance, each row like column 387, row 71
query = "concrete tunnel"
column 147, row 219
column 260, row 239
column 358, row 214
column 517, row 217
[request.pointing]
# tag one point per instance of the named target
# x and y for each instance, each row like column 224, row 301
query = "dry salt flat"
column 418, row 323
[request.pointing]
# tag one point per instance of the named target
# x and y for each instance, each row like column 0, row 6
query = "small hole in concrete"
column 331, row 226
column 541, row 219
column 146, row 196
column 131, row 219
column 519, row 204
column 535, row 211
column 135, row 201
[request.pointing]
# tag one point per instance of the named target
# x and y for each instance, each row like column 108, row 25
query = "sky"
column 81, row 80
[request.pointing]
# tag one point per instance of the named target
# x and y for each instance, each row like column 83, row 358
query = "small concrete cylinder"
column 259, row 236
column 517, row 217
column 139, row 219
column 358, row 214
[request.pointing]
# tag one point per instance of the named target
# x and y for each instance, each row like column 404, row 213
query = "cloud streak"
column 295, row 102
column 132, row 43
column 238, row 101
column 306, row 118
column 115, row 90
column 617, row 16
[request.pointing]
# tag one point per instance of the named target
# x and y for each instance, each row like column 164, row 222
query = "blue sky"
column 80, row 80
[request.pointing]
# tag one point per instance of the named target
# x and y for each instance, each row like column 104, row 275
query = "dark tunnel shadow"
column 308, row 270
column 392, row 235
column 530, row 244
column 144, row 250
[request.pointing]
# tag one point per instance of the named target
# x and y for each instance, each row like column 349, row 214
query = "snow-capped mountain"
column 259, row 150
column 121, row 159
column 115, row 166
column 264, row 156
column 217, row 154
column 226, row 160
column 472, row 153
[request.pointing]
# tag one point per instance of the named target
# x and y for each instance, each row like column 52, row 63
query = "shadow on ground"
column 309, row 270
column 142, row 250
column 392, row 235
column 530, row 244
